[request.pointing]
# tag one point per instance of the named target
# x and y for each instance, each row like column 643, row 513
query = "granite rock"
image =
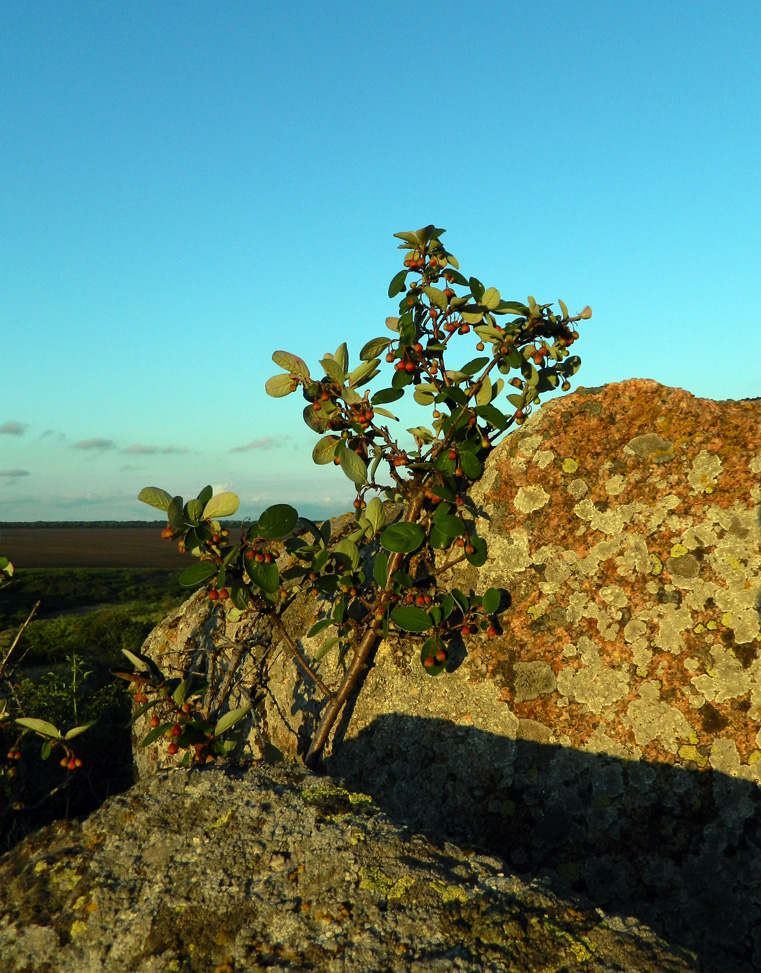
column 609, row 739
column 194, row 871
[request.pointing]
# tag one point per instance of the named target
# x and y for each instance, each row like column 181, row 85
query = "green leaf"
column 476, row 288
column 402, row 538
column 375, row 513
column 353, row 466
column 474, row 366
column 319, row 627
column 230, row 719
column 484, row 393
column 144, row 663
column 342, row 356
column 437, row 297
column 291, row 363
column 411, row 619
column 452, row 526
column 471, row 465
column 205, row 495
column 40, row 726
column 155, row 733
column 479, row 555
column 333, row 370
column 429, row 233
column 193, row 510
column 222, row 505
column 490, row 601
column 277, row 521
column 350, row 549
column 398, row 283
column 438, row 540
column 325, row 450
column 316, row 421
column 425, row 393
column 280, row 385
column 76, row 730
column 410, row 238
column 265, row 576
column 429, row 649
column 492, row 415
column 388, row 415
column 155, row 497
column 197, row 574
column 380, row 569
column 326, row 646
column 563, row 308
column 472, row 314
column 373, row 348
column 490, row 298
column 364, row 372
column 386, row 395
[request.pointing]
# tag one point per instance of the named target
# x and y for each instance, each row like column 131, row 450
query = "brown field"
column 90, row 547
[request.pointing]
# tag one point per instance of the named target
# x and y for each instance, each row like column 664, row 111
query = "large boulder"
column 219, row 870
column 609, row 738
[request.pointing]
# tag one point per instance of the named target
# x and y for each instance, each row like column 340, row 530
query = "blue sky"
column 187, row 187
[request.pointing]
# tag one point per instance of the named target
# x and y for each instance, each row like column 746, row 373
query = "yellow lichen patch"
column 656, row 565
column 40, row 867
column 376, row 880
column 699, row 628
column 223, row 819
column 77, row 928
column 712, row 626
column 726, row 619
column 448, row 893
column 570, row 465
column 68, row 878
column 690, row 752
column 679, row 550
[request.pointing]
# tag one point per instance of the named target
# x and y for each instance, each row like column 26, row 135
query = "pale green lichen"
column 448, row 893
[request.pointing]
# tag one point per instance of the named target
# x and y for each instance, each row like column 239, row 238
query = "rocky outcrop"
column 277, row 869
column 608, row 740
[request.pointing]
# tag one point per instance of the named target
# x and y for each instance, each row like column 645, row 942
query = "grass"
column 61, row 672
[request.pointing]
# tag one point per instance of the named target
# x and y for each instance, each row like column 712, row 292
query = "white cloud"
column 265, row 443
column 99, row 444
column 135, row 448
column 13, row 428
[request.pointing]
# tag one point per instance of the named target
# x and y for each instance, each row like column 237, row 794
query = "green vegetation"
column 63, row 590
column 387, row 573
column 61, row 673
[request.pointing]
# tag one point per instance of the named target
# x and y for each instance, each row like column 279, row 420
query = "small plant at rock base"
column 386, row 573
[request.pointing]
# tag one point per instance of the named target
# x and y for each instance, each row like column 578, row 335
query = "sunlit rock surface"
column 609, row 738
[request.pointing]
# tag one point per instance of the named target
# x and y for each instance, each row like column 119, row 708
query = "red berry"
column 409, row 366
column 176, row 730
column 154, row 721
column 469, row 549
column 491, row 631
column 429, row 662
column 72, row 763
column 441, row 655
column 172, row 749
column 223, row 593
column 213, row 594
column 452, row 454
column 466, row 630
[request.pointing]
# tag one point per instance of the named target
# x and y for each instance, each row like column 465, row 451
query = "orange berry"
column 429, row 662
column 172, row 749
column 480, row 346
column 441, row 655
column 223, row 593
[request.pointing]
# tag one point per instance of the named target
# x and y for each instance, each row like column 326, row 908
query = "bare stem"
column 362, row 652
column 15, row 642
column 293, row 649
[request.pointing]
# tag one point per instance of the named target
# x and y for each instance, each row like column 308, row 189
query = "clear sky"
column 186, row 187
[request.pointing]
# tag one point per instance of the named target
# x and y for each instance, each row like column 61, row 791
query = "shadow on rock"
column 679, row 850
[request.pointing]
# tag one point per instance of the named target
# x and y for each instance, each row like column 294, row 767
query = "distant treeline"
column 79, row 524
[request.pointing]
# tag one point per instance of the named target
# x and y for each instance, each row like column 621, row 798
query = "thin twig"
column 16, row 640
column 293, row 649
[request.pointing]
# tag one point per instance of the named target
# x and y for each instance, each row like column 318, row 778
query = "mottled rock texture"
column 207, row 870
column 609, row 738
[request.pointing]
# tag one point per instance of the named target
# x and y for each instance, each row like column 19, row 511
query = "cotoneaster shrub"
column 477, row 365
